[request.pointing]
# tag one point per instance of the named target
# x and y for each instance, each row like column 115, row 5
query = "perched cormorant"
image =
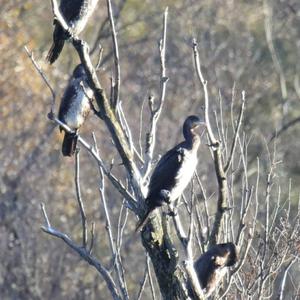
column 74, row 108
column 76, row 14
column 211, row 266
column 174, row 170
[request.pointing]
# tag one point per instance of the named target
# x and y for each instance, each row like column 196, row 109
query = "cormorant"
column 74, row 107
column 174, row 170
column 76, row 14
column 211, row 266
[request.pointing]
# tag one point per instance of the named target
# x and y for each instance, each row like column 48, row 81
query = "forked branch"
column 106, row 112
column 156, row 111
column 217, row 155
column 84, row 253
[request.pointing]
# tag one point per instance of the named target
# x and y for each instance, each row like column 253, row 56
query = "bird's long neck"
column 191, row 138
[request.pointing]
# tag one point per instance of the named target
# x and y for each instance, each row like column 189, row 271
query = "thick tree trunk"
column 164, row 256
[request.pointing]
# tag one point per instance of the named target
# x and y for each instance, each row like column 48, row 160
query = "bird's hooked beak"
column 200, row 124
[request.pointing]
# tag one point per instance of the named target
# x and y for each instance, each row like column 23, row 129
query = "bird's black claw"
column 172, row 213
column 51, row 115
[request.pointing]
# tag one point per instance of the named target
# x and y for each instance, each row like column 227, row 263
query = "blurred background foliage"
column 234, row 51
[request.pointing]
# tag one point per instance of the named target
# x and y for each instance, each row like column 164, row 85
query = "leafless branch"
column 126, row 128
column 102, row 29
column 150, row 278
column 106, row 112
column 180, row 230
column 237, row 129
column 116, row 56
column 189, row 264
column 217, row 155
column 79, row 200
column 99, row 58
column 108, row 227
column 42, row 74
column 274, row 55
column 92, row 238
column 118, row 185
column 141, row 127
column 84, row 253
column 143, row 282
column 284, row 128
column 287, row 268
column 155, row 112
column 187, row 244
column 121, row 227
column 205, row 202
column 212, row 138
column 266, row 241
column 45, row 215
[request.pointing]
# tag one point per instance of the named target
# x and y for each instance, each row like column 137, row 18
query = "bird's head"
column 230, row 252
column 79, row 71
column 191, row 124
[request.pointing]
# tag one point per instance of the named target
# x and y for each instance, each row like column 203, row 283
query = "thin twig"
column 236, row 133
column 143, row 283
column 84, row 253
column 212, row 138
column 270, row 43
column 205, row 201
column 102, row 32
column 216, row 152
column 45, row 215
column 282, row 286
column 116, row 95
column 155, row 112
column 98, row 65
column 150, row 278
column 284, row 128
column 187, row 244
column 141, row 127
column 180, row 230
column 79, row 199
column 121, row 227
column 92, row 238
column 189, row 262
column 127, row 130
column 88, row 258
column 117, row 184
column 42, row 74
column 108, row 227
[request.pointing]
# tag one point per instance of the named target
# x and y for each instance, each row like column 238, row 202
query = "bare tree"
column 268, row 240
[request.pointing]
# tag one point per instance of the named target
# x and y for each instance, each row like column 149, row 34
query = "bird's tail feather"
column 69, row 144
column 55, row 51
column 142, row 222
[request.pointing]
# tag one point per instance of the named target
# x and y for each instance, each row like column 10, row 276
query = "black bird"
column 74, row 108
column 76, row 13
column 212, row 265
column 174, row 170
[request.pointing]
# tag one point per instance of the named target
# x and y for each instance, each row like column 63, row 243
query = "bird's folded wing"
column 165, row 172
